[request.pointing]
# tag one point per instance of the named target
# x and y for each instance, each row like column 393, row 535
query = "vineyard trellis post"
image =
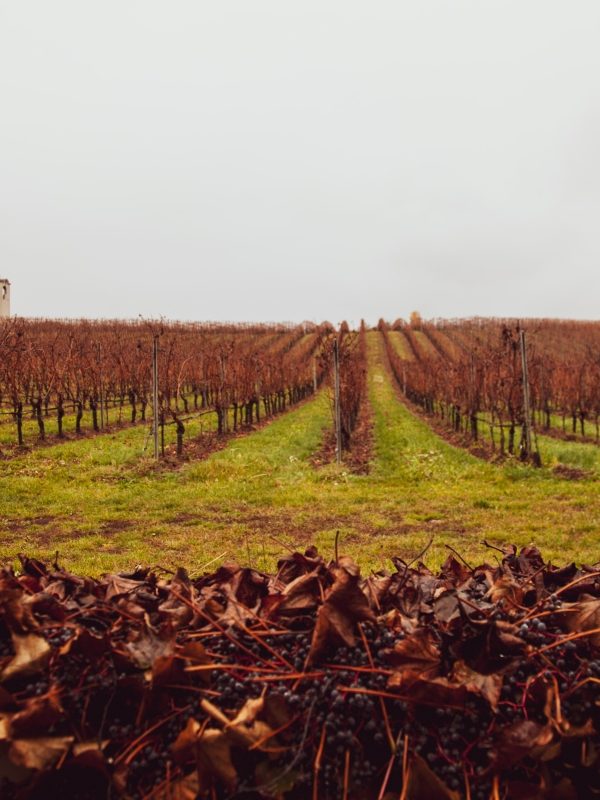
column 337, row 409
column 526, row 402
column 101, row 381
column 155, row 395
column 314, row 365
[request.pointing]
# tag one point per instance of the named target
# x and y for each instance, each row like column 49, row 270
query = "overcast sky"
column 315, row 159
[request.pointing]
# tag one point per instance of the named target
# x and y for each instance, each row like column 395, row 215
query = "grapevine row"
column 62, row 369
column 469, row 373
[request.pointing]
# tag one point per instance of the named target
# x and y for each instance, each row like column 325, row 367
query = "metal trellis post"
column 155, row 395
column 338, row 415
column 526, row 405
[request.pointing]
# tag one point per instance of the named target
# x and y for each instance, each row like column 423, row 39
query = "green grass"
column 104, row 506
column 582, row 455
column 116, row 416
column 400, row 344
column 556, row 423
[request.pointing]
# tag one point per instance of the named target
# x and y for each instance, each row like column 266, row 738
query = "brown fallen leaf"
column 213, row 746
column 31, row 654
column 488, row 686
column 524, row 738
column 300, row 595
column 39, row 713
column 419, row 653
column 345, row 605
column 185, row 788
column 430, row 691
column 505, row 587
column 214, row 758
column 117, row 585
column 183, row 748
column 40, row 753
column 147, row 647
column 447, row 608
column 585, row 616
column 5, row 727
column 423, row 783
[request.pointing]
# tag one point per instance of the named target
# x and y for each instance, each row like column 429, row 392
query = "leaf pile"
column 309, row 683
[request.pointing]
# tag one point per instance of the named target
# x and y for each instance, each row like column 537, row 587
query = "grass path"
column 406, row 448
column 467, row 497
column 103, row 508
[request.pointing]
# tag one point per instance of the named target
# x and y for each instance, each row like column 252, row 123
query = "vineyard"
column 236, row 659
column 471, row 375
column 56, row 374
column 64, row 378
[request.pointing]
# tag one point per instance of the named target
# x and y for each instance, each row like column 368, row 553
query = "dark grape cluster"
column 442, row 679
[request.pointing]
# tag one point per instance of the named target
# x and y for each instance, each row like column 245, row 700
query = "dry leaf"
column 31, row 654
column 40, row 753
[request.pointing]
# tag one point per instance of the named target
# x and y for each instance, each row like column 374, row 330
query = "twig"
column 283, row 544
column 458, row 555
column 405, row 770
column 492, row 546
column 408, row 565
column 569, row 638
column 346, row 773
column 212, row 561
column 386, row 777
column 317, row 765
column 420, row 555
column 467, row 783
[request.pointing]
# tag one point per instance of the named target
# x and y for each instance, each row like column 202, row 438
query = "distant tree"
column 416, row 320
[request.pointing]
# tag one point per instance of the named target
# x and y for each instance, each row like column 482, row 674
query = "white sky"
column 316, row 159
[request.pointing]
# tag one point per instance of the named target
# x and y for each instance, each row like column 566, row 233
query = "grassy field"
column 103, row 505
column 553, row 451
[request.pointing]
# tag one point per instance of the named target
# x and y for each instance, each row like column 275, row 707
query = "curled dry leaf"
column 185, row 788
column 40, row 753
column 523, row 739
column 585, row 616
column 424, row 784
column 488, row 686
column 178, row 688
column 418, row 653
column 32, row 653
column 213, row 751
column 345, row 605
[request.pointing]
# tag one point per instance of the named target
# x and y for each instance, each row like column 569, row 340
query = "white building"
column 4, row 297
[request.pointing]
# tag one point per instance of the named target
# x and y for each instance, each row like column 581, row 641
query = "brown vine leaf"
column 31, row 655
column 505, row 587
column 185, row 788
column 39, row 713
column 117, row 585
column 418, row 653
column 147, row 647
column 301, row 595
column 184, row 746
column 214, row 758
column 345, row 605
column 585, row 616
column 524, row 738
column 40, row 753
column 488, row 686
column 424, row 783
